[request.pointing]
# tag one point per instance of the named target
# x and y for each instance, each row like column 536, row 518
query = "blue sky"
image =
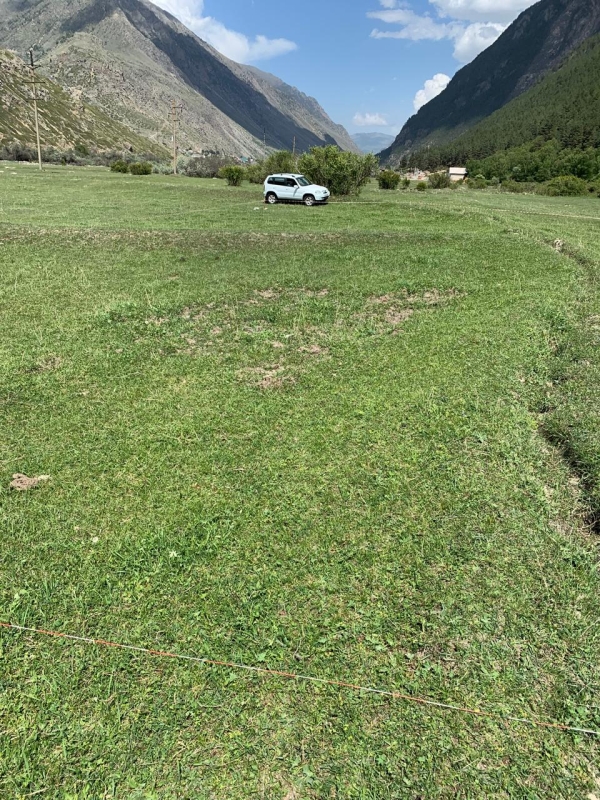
column 370, row 63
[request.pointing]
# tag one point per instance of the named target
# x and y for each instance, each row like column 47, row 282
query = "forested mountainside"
column 564, row 108
column 539, row 40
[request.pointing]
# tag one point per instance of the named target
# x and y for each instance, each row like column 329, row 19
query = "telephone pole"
column 33, row 67
column 294, row 148
column 175, row 119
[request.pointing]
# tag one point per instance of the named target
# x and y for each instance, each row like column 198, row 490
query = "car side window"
column 271, row 181
column 292, row 183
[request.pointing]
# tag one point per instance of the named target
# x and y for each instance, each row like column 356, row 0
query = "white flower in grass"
column 173, row 554
column 95, row 540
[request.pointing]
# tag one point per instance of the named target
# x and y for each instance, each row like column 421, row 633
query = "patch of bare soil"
column 314, row 350
column 268, row 294
column 158, row 321
column 266, row 378
column 21, row 483
column 48, row 364
column 395, row 316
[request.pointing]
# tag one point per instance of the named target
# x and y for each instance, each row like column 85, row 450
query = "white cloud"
column 474, row 39
column 431, row 89
column 370, row 120
column 473, row 25
column 232, row 44
column 503, row 11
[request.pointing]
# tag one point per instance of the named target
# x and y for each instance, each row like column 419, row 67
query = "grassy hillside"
column 564, row 106
column 313, row 440
column 65, row 121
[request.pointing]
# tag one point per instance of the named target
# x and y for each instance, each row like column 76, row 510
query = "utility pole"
column 175, row 119
column 294, row 148
column 33, row 67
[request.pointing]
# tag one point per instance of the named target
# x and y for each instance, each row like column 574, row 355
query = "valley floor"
column 357, row 442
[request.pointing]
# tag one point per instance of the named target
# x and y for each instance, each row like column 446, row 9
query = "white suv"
column 294, row 189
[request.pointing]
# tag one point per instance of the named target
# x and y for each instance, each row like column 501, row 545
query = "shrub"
column 256, row 173
column 341, row 172
column 405, row 183
column 388, row 179
column 207, row 167
column 140, row 168
column 478, row 182
column 517, row 187
column 120, row 166
column 234, row 175
column 280, row 161
column 162, row 169
column 566, row 186
column 440, row 180
column 421, row 186
column 82, row 150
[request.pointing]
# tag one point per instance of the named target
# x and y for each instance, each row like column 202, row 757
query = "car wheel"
column 309, row 200
column 272, row 199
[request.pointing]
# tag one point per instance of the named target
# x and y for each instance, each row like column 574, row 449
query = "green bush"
column 341, row 172
column 82, row 150
column 421, row 186
column 256, row 173
column 234, row 175
column 120, row 166
column 565, row 186
column 388, row 179
column 478, row 182
column 280, row 161
column 517, row 187
column 140, row 168
column 440, row 180
column 206, row 167
column 405, row 183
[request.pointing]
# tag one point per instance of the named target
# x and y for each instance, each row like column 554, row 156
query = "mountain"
column 372, row 142
column 537, row 42
column 131, row 59
column 65, row 121
column 563, row 107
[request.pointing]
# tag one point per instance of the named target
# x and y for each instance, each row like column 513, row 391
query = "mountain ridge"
column 131, row 58
column 534, row 44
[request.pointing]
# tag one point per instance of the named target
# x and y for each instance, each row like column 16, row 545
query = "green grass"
column 305, row 439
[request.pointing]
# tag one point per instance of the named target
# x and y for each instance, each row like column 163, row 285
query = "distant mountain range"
column 372, row 142
column 538, row 42
column 131, row 59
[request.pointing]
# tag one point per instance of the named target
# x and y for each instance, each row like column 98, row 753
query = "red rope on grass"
column 294, row 676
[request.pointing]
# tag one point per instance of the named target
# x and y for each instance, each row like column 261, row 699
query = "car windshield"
column 302, row 181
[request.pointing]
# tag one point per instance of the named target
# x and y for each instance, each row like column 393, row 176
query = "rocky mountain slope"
column 132, row 59
column 537, row 42
column 65, row 120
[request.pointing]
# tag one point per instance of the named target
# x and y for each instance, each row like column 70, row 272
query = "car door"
column 294, row 189
column 282, row 188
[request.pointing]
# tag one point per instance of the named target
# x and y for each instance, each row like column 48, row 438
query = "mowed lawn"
column 339, row 442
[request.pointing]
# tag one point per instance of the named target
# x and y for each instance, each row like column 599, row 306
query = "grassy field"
column 357, row 442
